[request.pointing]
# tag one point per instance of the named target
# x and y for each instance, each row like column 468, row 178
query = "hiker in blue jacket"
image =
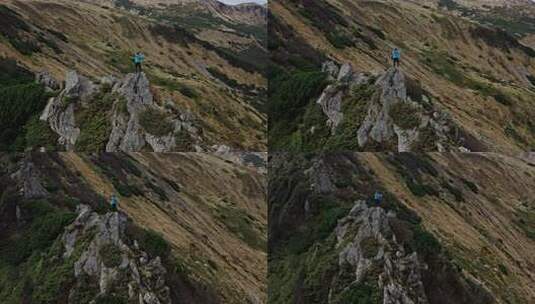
column 377, row 197
column 396, row 57
column 138, row 59
column 114, row 202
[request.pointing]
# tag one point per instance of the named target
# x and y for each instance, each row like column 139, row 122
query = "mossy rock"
column 370, row 247
column 405, row 115
column 110, row 255
column 155, row 122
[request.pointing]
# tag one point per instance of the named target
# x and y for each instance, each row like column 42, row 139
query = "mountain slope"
column 202, row 215
column 214, row 82
column 452, row 228
column 466, row 67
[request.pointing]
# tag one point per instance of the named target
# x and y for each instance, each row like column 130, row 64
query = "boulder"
column 346, row 73
column 46, row 79
column 331, row 69
column 331, row 104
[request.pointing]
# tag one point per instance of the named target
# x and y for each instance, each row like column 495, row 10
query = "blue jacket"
column 396, row 54
column 113, row 201
column 139, row 58
column 378, row 196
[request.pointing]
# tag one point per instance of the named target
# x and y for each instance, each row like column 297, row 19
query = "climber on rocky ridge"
column 138, row 59
column 377, row 197
column 114, row 202
column 396, row 57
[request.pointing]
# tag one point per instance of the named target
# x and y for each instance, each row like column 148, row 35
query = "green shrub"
column 47, row 224
column 363, row 293
column 188, row 91
column 425, row 243
column 37, row 133
column 184, row 141
column 19, row 103
column 173, row 85
column 238, row 222
column 95, row 123
column 14, row 29
column 355, row 109
column 111, row 299
column 526, row 221
column 370, row 247
column 419, row 189
column 12, row 74
column 471, row 185
column 155, row 122
column 405, row 115
column 110, row 255
column 339, row 39
column 154, row 244
column 289, row 95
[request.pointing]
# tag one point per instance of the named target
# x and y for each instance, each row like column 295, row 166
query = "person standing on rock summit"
column 138, row 61
column 114, row 202
column 396, row 57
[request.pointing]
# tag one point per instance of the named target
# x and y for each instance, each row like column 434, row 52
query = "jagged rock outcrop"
column 94, row 240
column 331, row 104
column 378, row 124
column 29, row 181
column 369, row 245
column 383, row 125
column 132, row 97
column 127, row 134
column 59, row 112
column 333, row 95
column 50, row 83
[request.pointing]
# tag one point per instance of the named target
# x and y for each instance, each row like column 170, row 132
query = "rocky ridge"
column 131, row 97
column 105, row 256
column 374, row 245
column 392, row 114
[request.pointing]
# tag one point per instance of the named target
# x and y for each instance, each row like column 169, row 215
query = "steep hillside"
column 451, row 228
column 466, row 80
column 191, row 228
column 217, row 84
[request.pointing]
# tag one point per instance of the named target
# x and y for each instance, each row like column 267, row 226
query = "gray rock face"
column 378, row 124
column 406, row 138
column 367, row 240
column 320, row 177
column 46, row 79
column 59, row 112
column 333, row 95
column 30, row 184
column 136, row 280
column 331, row 104
column 78, row 86
column 127, row 134
column 331, row 69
